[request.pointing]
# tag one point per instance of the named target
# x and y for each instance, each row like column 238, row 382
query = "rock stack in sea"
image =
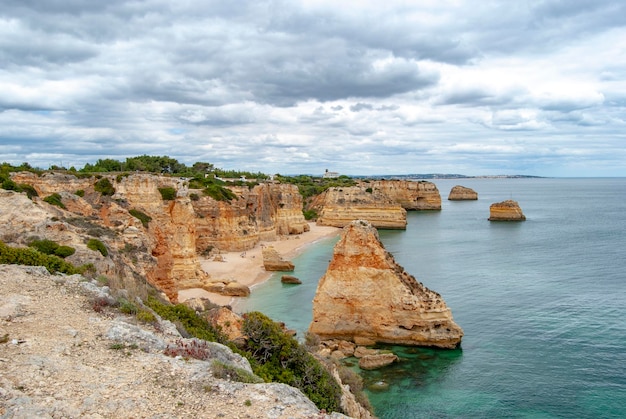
column 508, row 210
column 462, row 193
column 366, row 297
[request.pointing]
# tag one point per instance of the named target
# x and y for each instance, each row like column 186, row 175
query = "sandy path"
column 247, row 267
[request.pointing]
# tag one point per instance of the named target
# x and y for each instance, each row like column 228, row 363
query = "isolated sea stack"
column 508, row 210
column 366, row 297
column 461, row 193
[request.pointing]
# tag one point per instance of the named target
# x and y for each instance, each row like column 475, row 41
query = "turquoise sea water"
column 542, row 303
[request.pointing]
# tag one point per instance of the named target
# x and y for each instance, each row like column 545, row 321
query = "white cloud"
column 298, row 87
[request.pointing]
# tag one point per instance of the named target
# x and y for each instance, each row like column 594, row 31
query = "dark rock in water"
column 379, row 386
column 290, row 279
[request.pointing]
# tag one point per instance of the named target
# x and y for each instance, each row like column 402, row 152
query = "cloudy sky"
column 533, row 87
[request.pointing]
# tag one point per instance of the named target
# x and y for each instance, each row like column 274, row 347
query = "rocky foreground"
column 61, row 358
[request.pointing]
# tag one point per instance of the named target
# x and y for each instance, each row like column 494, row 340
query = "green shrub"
column 145, row 316
column 104, row 186
column 143, row 217
column 369, row 190
column 195, row 325
column 64, row 251
column 80, row 193
column 54, row 199
column 219, row 193
column 127, row 307
column 30, row 191
column 168, row 194
column 32, row 257
column 229, row 372
column 277, row 356
column 309, row 214
column 49, row 247
column 97, row 245
column 44, row 246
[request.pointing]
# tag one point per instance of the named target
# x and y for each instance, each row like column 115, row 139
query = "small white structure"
column 330, row 175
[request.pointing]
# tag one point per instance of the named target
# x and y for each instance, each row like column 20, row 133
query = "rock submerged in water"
column 366, row 296
column 462, row 193
column 508, row 210
column 290, row 279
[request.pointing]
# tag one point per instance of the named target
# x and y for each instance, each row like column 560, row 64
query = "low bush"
column 49, row 247
column 80, row 193
column 309, row 214
column 104, row 186
column 97, row 246
column 168, row 194
column 145, row 316
column 141, row 216
column 229, row 372
column 219, row 193
column 195, row 325
column 32, row 257
column 55, row 199
column 277, row 356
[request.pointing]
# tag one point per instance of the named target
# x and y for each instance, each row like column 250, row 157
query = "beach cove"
column 247, row 267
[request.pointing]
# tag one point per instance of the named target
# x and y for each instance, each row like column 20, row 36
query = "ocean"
column 542, row 303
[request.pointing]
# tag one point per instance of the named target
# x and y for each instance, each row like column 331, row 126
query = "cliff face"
column 259, row 214
column 340, row 206
column 166, row 250
column 508, row 210
column 366, row 295
column 461, row 193
column 411, row 195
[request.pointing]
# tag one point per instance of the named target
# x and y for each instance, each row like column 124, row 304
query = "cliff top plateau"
column 61, row 358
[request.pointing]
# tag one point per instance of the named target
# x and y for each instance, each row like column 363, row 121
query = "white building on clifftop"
column 330, row 175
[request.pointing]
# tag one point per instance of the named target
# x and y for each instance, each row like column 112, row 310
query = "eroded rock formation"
column 508, row 210
column 340, row 206
column 462, row 193
column 366, row 296
column 164, row 246
column 411, row 195
column 273, row 261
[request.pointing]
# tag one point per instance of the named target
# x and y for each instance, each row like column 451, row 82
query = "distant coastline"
column 446, row 176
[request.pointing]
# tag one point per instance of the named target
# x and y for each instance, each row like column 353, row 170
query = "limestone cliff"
column 366, row 295
column 411, row 195
column 461, row 193
column 262, row 213
column 164, row 250
column 340, row 206
column 508, row 210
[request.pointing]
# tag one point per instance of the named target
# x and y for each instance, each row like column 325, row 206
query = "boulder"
column 235, row 289
column 461, row 193
column 506, row 211
column 273, row 261
column 372, row 362
column 290, row 279
column 230, row 323
column 366, row 294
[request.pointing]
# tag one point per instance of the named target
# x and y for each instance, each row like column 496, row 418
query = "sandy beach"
column 247, row 267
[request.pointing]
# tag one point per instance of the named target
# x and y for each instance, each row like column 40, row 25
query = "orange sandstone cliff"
column 366, row 296
column 164, row 247
column 342, row 205
column 411, row 195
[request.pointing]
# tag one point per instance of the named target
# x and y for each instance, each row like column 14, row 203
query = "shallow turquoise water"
column 542, row 303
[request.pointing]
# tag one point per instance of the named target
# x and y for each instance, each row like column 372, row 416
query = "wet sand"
column 247, row 267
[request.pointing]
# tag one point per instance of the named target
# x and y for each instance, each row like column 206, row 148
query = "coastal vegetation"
column 33, row 257
column 54, row 199
column 98, row 246
column 310, row 186
column 141, row 216
column 49, row 247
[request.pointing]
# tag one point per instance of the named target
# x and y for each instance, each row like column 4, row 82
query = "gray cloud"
column 288, row 86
